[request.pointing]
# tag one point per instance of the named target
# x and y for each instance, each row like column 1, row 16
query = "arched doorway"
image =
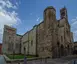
column 68, row 49
column 58, row 49
column 62, row 50
column 24, row 51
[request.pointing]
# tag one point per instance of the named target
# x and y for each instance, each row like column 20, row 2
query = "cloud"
column 74, row 28
column 7, row 17
column 17, row 4
column 7, row 4
column 41, row 20
column 37, row 19
column 74, row 21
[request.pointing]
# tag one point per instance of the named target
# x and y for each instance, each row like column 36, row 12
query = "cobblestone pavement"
column 2, row 60
column 64, row 60
column 48, row 62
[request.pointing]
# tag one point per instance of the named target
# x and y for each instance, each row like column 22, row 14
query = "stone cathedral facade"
column 51, row 38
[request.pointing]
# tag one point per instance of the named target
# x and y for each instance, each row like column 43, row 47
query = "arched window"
column 32, row 43
column 62, row 50
column 58, row 44
column 68, row 47
column 62, row 14
column 61, row 39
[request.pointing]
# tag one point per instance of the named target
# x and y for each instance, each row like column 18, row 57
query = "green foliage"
column 19, row 56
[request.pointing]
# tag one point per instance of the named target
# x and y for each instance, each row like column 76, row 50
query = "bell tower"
column 63, row 13
column 49, row 17
column 49, row 30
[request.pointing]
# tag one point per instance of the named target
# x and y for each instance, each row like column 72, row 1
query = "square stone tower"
column 47, row 33
column 9, row 36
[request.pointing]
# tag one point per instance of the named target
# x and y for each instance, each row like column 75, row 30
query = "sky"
column 24, row 14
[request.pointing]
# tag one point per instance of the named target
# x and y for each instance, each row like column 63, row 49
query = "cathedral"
column 51, row 38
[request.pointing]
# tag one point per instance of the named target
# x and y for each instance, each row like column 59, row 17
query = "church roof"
column 18, row 35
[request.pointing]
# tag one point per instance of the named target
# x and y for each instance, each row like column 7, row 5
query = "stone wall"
column 18, row 44
column 47, row 33
column 24, row 44
column 40, row 39
column 29, row 42
column 32, row 41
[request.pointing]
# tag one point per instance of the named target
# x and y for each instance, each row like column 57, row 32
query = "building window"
column 63, row 14
column 58, row 44
column 68, row 46
column 32, row 43
column 24, row 50
column 68, row 33
column 61, row 39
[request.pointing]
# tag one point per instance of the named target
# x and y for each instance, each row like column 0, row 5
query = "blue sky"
column 24, row 14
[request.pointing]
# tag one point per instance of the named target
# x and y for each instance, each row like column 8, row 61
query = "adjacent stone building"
column 75, row 48
column 51, row 38
column 9, row 37
column 0, row 48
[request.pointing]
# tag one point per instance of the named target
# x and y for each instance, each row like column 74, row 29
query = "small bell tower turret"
column 63, row 13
